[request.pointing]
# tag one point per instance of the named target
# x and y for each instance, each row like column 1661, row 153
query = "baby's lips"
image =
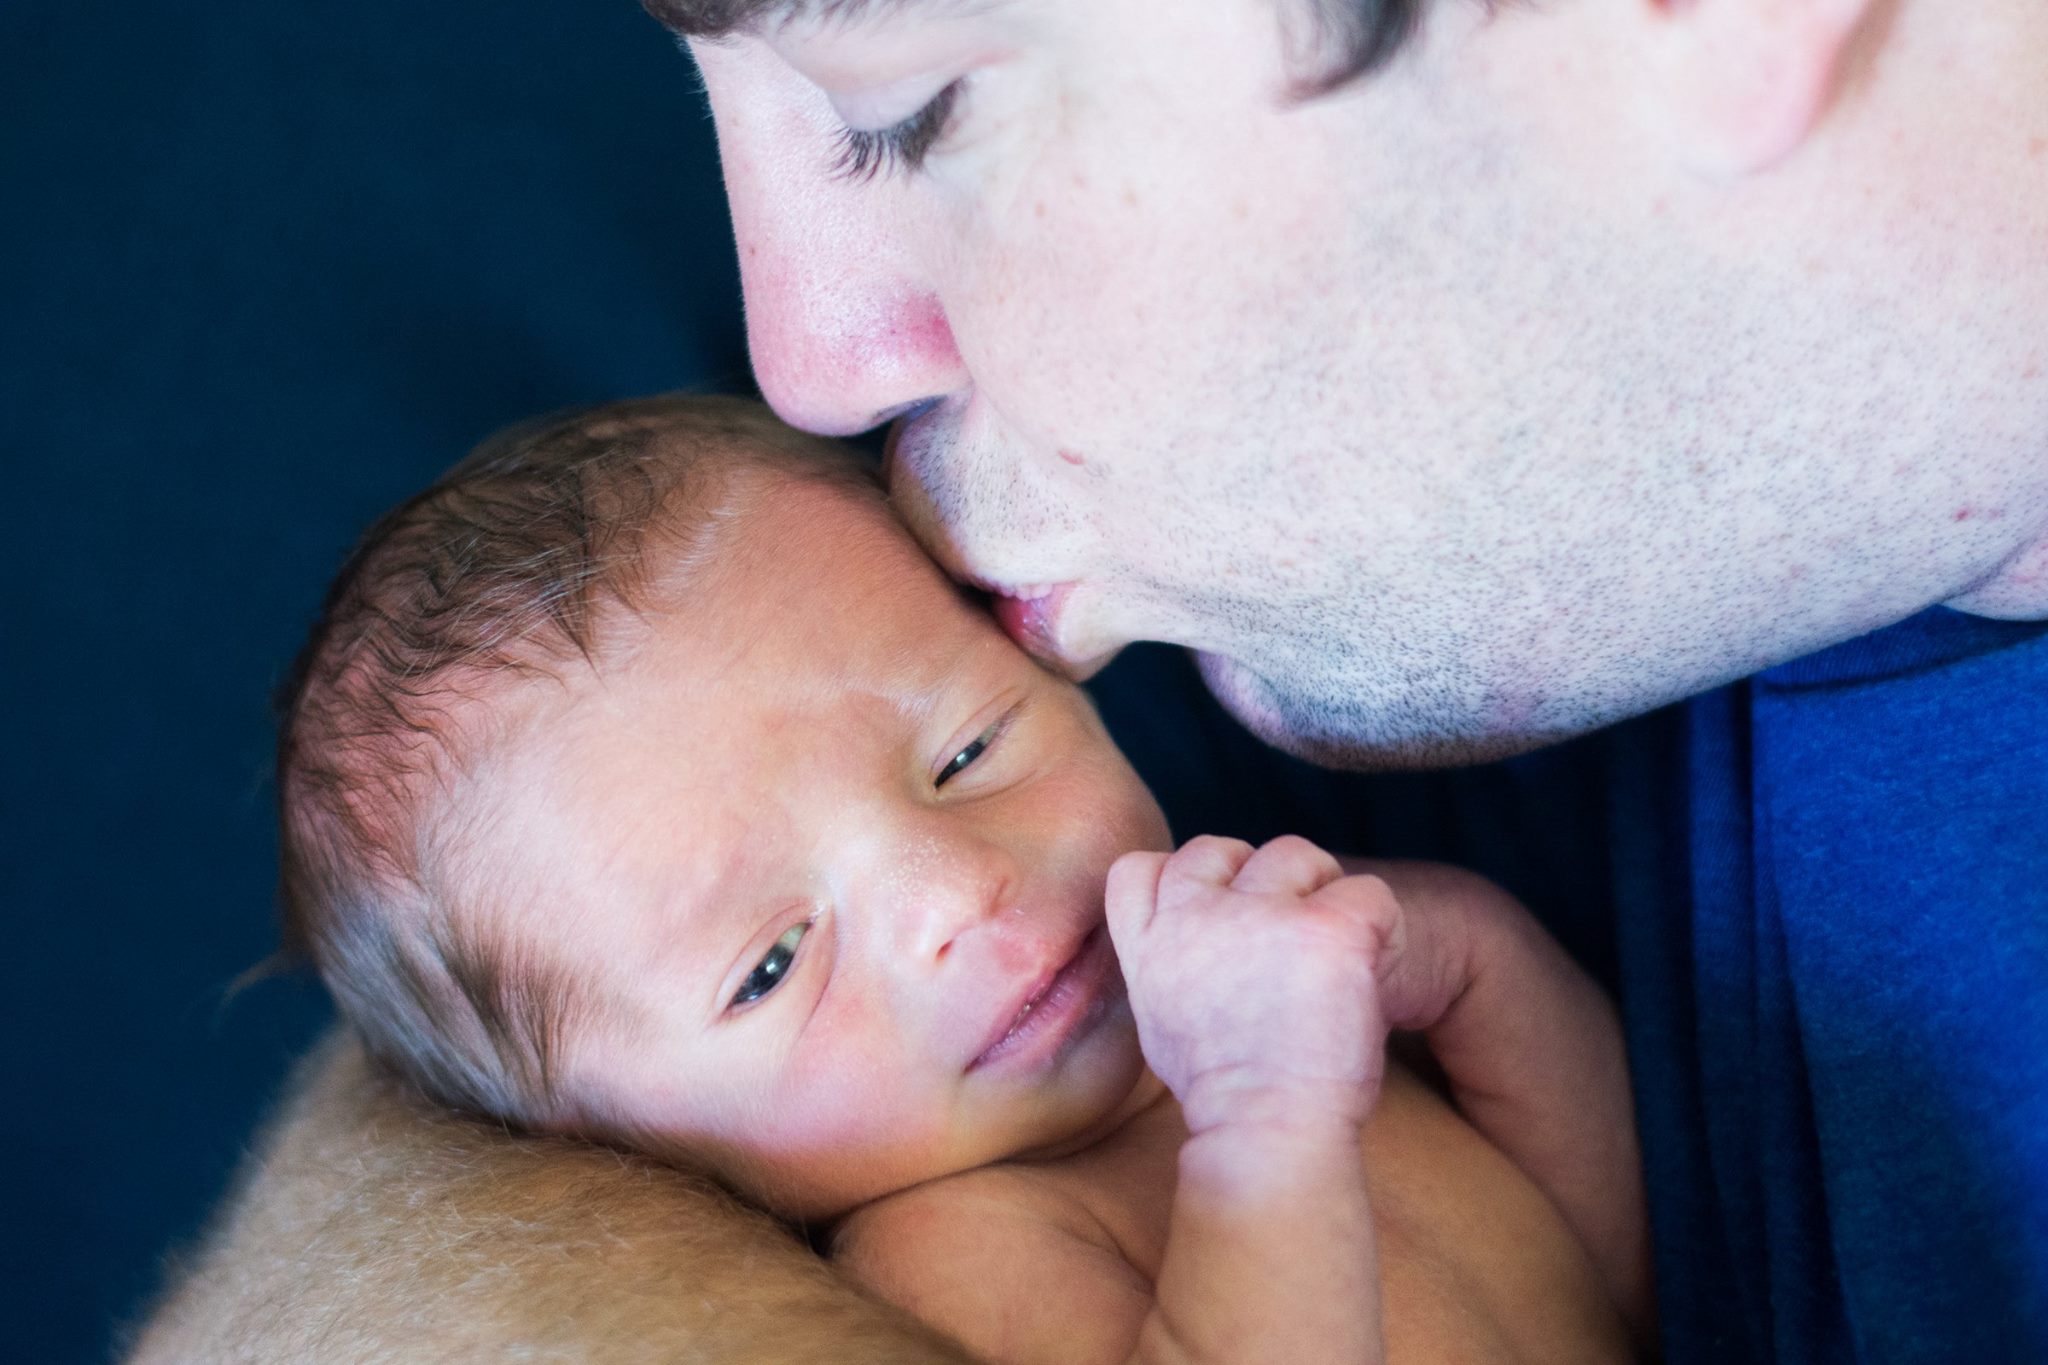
column 1060, row 999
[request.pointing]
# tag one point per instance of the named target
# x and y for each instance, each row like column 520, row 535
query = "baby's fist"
column 1253, row 978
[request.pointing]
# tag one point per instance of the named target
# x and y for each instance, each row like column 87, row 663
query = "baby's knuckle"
column 1293, row 847
column 1204, row 860
column 1205, row 846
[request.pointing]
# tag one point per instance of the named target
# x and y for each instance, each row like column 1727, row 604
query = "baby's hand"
column 1252, row 976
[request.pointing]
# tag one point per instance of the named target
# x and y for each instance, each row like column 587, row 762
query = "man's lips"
column 1054, row 1007
column 1031, row 616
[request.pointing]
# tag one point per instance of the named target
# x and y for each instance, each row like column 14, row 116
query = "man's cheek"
column 1043, row 297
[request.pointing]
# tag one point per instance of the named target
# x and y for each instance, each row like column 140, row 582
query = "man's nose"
column 843, row 320
column 838, row 347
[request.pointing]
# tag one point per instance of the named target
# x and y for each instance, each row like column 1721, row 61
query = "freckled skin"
column 1569, row 353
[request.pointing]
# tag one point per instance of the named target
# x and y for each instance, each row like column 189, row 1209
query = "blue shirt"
column 1821, row 895
column 1833, row 935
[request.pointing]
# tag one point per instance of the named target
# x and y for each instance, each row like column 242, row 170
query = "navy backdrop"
column 266, row 269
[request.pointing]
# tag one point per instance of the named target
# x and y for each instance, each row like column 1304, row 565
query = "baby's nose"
column 949, row 890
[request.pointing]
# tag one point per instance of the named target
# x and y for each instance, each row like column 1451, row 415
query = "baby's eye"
column 964, row 760
column 773, row 967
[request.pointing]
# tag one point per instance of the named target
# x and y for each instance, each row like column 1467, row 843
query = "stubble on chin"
column 1323, row 717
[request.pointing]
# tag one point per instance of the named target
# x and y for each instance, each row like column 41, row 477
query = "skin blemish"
column 1962, row 514
column 1074, row 458
column 920, row 328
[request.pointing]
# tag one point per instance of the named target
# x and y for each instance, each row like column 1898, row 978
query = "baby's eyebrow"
column 919, row 698
column 918, row 704
column 693, row 917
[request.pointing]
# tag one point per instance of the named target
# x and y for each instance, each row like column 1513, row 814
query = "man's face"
column 1443, row 414
column 829, row 853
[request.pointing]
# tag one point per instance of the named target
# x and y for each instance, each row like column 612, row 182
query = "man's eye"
column 865, row 154
column 773, row 967
column 965, row 759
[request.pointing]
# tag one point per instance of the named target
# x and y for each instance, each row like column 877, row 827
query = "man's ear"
column 1741, row 83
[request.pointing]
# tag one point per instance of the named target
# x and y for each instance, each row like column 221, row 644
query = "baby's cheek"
column 850, row 1101
column 1088, row 804
column 1122, row 816
column 851, row 1120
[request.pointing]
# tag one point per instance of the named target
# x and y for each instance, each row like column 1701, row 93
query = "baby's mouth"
column 1058, row 1008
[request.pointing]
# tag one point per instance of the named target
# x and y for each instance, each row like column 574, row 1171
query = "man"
column 1456, row 379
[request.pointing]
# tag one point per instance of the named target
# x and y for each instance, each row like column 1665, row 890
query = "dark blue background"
column 266, row 269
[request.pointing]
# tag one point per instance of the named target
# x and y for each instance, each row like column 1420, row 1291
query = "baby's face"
column 833, row 850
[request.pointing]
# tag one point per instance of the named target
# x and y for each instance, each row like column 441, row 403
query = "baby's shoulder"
column 981, row 1255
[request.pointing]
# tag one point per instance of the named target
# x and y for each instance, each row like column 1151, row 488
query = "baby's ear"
column 1741, row 84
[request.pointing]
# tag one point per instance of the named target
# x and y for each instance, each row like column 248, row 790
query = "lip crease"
column 1056, row 1007
column 1031, row 617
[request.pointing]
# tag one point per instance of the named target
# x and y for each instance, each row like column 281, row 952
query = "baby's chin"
column 1145, row 1091
column 1121, row 1087
column 1090, row 1094
column 1116, row 1087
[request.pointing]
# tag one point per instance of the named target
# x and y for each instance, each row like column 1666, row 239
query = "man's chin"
column 1248, row 698
column 1332, row 735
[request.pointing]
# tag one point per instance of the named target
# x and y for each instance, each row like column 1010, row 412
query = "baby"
column 643, row 780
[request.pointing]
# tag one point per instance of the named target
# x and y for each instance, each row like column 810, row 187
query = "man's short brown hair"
column 1348, row 37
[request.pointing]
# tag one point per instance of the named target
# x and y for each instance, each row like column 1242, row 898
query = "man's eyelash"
column 864, row 154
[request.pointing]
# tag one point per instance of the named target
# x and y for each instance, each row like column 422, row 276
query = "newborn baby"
column 644, row 781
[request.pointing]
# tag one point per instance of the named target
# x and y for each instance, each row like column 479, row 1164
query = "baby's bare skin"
column 875, row 905
column 1056, row 1260
column 1231, row 1227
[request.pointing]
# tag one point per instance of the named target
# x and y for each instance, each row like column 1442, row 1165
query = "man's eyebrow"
column 721, row 18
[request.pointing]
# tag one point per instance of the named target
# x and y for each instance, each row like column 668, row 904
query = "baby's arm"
column 1251, row 977
column 1533, row 1054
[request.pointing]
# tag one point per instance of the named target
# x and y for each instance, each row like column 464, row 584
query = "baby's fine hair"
column 511, row 566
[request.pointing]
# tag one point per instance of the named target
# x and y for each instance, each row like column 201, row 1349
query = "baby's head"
column 643, row 779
